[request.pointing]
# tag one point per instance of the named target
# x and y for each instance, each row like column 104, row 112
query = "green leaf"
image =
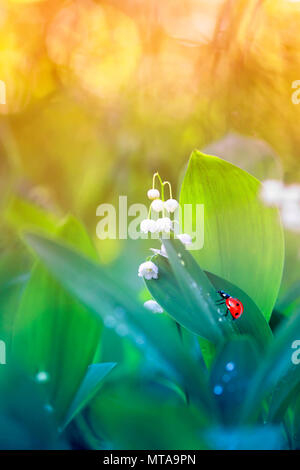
column 243, row 239
column 92, row 285
column 277, row 374
column 188, row 295
column 252, row 322
column 185, row 291
column 49, row 326
column 88, row 389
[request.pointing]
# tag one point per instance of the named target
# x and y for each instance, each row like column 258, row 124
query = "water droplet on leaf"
column 218, row 389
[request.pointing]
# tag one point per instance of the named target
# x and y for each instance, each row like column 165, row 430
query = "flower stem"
column 170, row 188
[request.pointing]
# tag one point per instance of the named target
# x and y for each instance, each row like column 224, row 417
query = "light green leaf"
column 24, row 215
column 243, row 239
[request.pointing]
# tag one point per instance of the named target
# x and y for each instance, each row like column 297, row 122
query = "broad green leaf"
column 188, row 295
column 243, row 239
column 92, row 285
column 48, row 331
column 88, row 389
column 252, row 322
column 277, row 374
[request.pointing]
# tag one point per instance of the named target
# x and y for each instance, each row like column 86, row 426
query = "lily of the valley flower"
column 171, row 205
column 153, row 194
column 148, row 270
column 286, row 198
column 153, row 306
column 164, row 224
column 272, row 192
column 185, row 238
column 290, row 215
column 157, row 205
column 148, row 225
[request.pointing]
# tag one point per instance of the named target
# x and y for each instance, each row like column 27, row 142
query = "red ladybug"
column 234, row 306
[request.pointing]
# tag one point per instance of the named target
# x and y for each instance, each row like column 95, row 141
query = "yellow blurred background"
column 99, row 94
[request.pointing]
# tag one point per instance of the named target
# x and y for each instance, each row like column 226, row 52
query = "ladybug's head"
column 223, row 294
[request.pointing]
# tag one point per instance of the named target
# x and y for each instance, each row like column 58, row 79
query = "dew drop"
column 218, row 389
column 122, row 330
column 140, row 340
column 182, row 262
column 230, row 366
column 48, row 408
column 42, row 377
column 110, row 321
column 119, row 312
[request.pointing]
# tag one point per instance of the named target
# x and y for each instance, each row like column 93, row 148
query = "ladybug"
column 234, row 306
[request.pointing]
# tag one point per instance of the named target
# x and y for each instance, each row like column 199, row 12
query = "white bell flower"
column 185, row 238
column 157, row 205
column 148, row 270
column 290, row 215
column 148, row 225
column 153, row 194
column 171, row 205
column 272, row 192
column 164, row 224
column 291, row 194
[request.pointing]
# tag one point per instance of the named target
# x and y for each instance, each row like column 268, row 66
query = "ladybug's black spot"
column 237, row 304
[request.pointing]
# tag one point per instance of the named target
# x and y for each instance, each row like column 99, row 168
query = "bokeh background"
column 99, row 95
